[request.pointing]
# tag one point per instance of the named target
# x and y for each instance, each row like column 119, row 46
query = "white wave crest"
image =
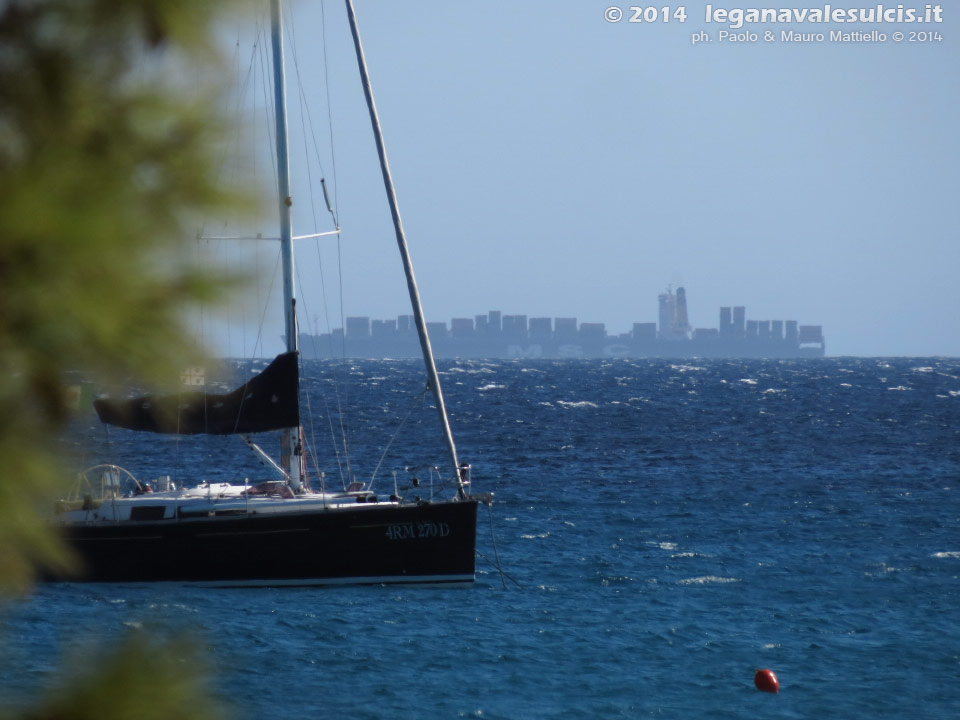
column 708, row 580
column 470, row 370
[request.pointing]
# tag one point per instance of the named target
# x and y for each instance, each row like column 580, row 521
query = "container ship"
column 495, row 335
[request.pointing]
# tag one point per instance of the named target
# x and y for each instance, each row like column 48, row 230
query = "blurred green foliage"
column 140, row 679
column 105, row 163
column 107, row 157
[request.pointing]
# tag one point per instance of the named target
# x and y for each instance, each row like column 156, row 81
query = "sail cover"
column 269, row 401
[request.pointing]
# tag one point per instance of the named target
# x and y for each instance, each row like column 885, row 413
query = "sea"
column 660, row 530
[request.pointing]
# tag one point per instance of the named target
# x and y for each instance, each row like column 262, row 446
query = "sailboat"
column 275, row 533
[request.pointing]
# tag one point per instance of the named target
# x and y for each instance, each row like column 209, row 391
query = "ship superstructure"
column 496, row 335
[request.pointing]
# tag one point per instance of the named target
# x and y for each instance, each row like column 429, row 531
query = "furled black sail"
column 269, row 401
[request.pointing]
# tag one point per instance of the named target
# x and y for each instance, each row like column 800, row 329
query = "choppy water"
column 672, row 527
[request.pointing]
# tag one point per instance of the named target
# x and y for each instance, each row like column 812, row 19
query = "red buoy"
column 766, row 681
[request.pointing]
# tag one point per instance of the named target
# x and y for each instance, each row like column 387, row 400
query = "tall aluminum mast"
column 432, row 376
column 290, row 439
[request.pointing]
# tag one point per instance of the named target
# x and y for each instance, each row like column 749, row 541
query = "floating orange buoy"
column 766, row 681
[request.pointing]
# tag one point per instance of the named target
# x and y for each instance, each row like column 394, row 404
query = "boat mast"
column 432, row 377
column 290, row 439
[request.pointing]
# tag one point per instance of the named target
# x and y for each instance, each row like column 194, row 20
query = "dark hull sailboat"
column 265, row 534
column 272, row 533
column 225, row 544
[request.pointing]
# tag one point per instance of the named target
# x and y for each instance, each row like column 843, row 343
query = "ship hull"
column 530, row 348
column 358, row 544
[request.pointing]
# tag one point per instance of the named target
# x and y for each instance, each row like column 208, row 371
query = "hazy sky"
column 551, row 163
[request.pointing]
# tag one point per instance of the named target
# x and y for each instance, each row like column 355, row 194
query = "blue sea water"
column 667, row 529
